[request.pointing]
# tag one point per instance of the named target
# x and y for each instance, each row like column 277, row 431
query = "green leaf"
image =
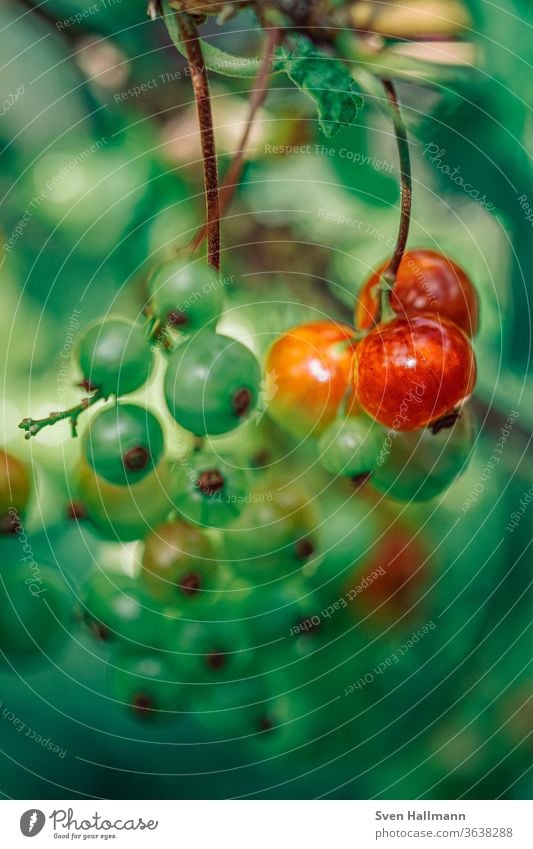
column 327, row 81
column 217, row 60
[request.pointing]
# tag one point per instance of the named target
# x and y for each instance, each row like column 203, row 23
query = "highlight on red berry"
column 308, row 372
column 412, row 371
column 426, row 282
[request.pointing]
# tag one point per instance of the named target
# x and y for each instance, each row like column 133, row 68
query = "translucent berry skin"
column 426, row 282
column 145, row 684
column 117, row 609
column 273, row 536
column 308, row 373
column 419, row 465
column 14, row 491
column 211, row 649
column 114, row 356
column 124, row 443
column 210, row 491
column 189, row 296
column 34, row 607
column 234, row 710
column 179, row 565
column 351, row 446
column 125, row 513
column 410, row 372
column 212, row 384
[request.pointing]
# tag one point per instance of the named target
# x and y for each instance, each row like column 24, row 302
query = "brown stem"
column 33, row 426
column 200, row 83
column 257, row 98
column 390, row 273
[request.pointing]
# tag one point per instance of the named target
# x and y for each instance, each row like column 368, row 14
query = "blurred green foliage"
column 97, row 184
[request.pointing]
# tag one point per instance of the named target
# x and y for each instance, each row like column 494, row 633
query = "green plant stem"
column 388, row 278
column 189, row 36
column 33, row 426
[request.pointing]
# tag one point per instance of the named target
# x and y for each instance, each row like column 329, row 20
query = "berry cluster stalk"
column 257, row 98
column 390, row 273
column 33, row 426
column 200, row 82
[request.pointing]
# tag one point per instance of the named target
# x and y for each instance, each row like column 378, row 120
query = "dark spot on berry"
column 9, row 524
column 76, row 511
column 210, row 482
column 190, row 584
column 142, row 704
column 304, row 548
column 360, row 480
column 261, row 458
column 307, row 626
column 241, row 401
column 265, row 724
column 99, row 631
column 445, row 422
column 216, row 660
column 136, row 459
column 87, row 385
column 176, row 318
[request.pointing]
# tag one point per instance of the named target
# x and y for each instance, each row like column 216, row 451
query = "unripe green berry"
column 114, row 356
column 124, row 443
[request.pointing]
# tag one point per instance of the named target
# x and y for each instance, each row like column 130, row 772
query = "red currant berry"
column 411, row 372
column 392, row 583
column 426, row 282
column 308, row 374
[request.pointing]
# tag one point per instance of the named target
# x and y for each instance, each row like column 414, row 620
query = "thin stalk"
column 200, row 83
column 388, row 278
column 33, row 426
column 257, row 98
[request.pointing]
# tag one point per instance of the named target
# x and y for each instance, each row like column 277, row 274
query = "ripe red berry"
column 426, row 282
column 390, row 587
column 410, row 372
column 308, row 373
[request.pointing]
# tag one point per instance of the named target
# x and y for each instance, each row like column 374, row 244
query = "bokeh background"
column 100, row 176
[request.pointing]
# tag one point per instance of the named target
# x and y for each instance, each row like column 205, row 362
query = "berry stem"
column 33, row 426
column 388, row 278
column 200, row 82
column 257, row 98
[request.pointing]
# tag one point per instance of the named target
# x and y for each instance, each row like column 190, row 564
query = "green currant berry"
column 350, row 446
column 214, row 649
column 145, row 684
column 125, row 513
column 210, row 491
column 179, row 566
column 116, row 608
column 274, row 534
column 348, row 529
column 233, row 709
column 14, row 492
column 277, row 610
column 212, row 384
column 124, row 443
column 187, row 295
column 114, row 356
column 420, row 464
column 34, row 607
column 290, row 723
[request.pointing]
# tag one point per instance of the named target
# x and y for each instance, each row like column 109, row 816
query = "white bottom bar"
column 268, row 824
